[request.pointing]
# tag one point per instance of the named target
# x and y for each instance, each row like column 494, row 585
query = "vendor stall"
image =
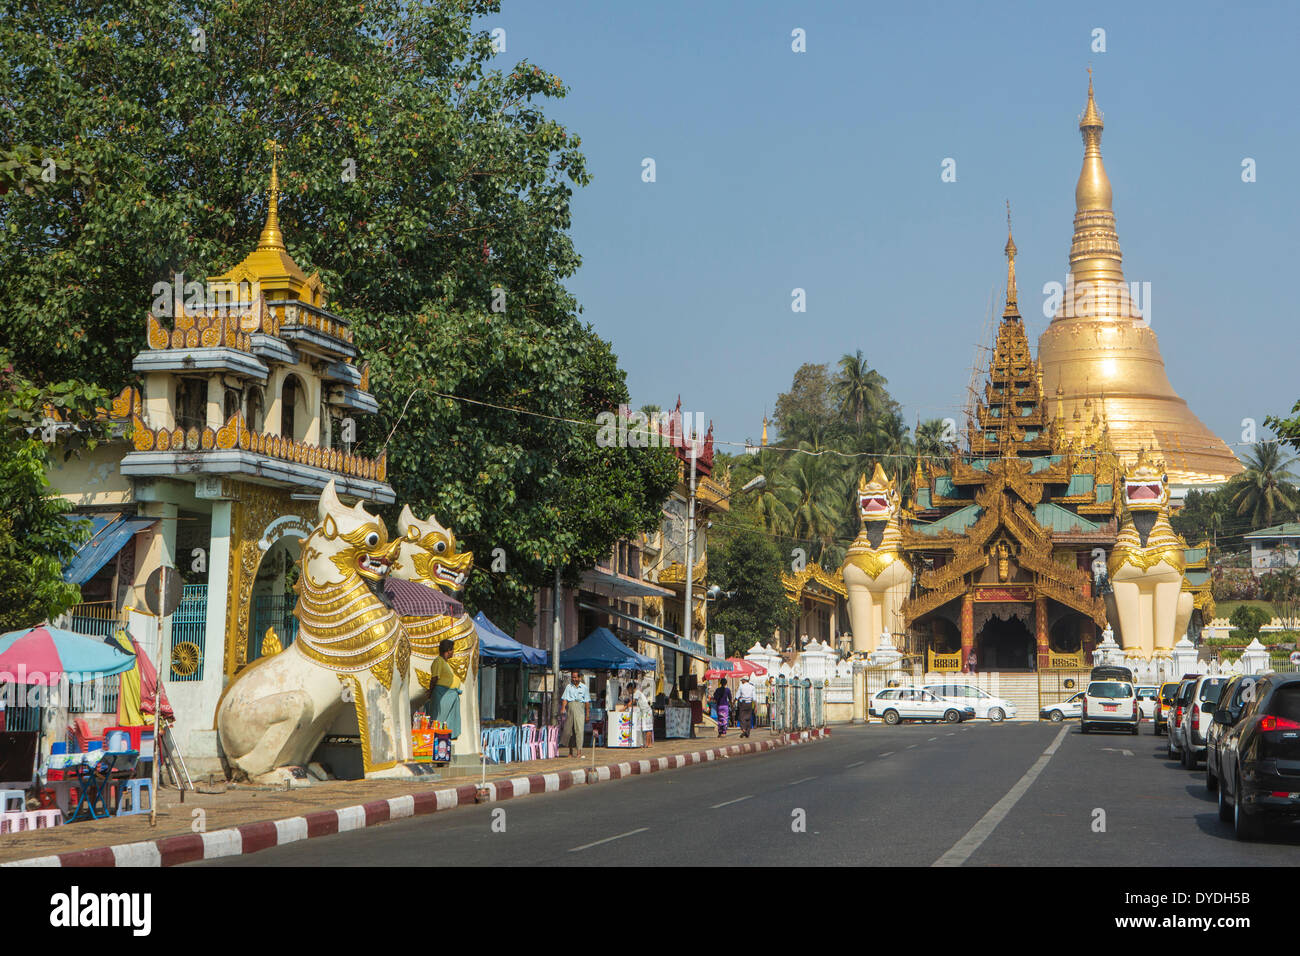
column 504, row 697
column 42, row 671
column 615, row 665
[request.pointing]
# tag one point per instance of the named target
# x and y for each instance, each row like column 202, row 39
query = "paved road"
column 975, row 795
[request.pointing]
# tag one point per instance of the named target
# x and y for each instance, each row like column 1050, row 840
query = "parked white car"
column 1147, row 701
column 1110, row 703
column 915, row 703
column 1071, row 707
column 1197, row 715
column 987, row 707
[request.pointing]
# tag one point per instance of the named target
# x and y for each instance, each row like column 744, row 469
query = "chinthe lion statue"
column 348, row 666
column 876, row 573
column 429, row 555
column 1147, row 601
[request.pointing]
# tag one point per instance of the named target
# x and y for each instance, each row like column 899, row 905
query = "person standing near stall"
column 576, row 699
column 642, row 714
column 445, row 690
column 745, row 705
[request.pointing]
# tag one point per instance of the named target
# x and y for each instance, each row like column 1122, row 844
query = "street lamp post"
column 755, row 483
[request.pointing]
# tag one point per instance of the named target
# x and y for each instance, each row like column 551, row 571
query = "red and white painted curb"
column 251, row 837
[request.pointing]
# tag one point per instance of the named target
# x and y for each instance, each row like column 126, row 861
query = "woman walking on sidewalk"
column 722, row 700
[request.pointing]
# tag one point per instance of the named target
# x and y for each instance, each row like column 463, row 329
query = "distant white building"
column 1274, row 547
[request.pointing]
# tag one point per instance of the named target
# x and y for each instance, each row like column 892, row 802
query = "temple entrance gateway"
column 1005, row 644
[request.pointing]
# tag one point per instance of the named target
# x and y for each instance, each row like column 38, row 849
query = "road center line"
column 588, row 846
column 852, row 765
column 953, row 734
column 963, row 848
column 801, row 780
column 727, row 803
column 887, row 753
column 911, row 746
column 932, row 738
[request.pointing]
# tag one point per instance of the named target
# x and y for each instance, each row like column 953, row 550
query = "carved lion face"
column 430, row 555
column 352, row 540
column 1146, row 486
column 878, row 499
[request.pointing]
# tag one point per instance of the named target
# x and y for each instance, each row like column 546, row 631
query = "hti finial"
column 271, row 238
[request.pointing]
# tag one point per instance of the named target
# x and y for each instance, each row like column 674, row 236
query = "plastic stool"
column 135, row 786
column 13, row 822
column 44, row 819
column 13, row 800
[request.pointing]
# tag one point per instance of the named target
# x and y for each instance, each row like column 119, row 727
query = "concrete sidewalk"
column 241, row 819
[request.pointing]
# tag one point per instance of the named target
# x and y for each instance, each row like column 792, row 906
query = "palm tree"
column 1266, row 484
column 930, row 444
column 813, row 490
column 859, row 388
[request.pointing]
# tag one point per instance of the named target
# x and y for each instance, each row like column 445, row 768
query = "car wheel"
column 1225, row 808
column 1244, row 825
column 1057, row 716
column 1134, row 731
column 1211, row 781
column 891, row 716
column 997, row 715
column 1083, row 728
column 951, row 717
column 1188, row 759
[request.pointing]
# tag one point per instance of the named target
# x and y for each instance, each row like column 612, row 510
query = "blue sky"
column 821, row 170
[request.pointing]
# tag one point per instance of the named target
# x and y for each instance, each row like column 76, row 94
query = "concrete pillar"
column 1040, row 632
column 967, row 627
column 158, row 410
column 214, row 416
column 313, row 410
column 271, row 409
column 195, row 702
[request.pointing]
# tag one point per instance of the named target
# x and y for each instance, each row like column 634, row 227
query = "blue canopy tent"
column 496, row 645
column 497, row 649
column 602, row 651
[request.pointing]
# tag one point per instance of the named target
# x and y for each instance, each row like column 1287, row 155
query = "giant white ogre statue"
column 876, row 572
column 1147, row 600
column 429, row 556
column 351, row 654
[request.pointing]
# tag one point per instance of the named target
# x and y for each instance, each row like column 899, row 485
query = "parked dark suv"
column 1259, row 757
column 1234, row 698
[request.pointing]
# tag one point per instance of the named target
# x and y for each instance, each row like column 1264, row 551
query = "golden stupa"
column 1100, row 349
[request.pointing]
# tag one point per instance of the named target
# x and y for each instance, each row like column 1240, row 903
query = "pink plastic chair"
column 553, row 742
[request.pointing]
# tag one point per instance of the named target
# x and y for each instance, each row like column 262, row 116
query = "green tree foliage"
column 832, row 428
column 419, row 176
column 747, row 565
column 36, row 537
column 1264, row 491
column 1247, row 619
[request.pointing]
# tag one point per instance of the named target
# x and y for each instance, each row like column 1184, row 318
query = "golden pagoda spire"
column 271, row 237
column 764, row 445
column 1012, row 309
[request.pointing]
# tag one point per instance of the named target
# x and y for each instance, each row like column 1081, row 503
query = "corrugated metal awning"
column 110, row 535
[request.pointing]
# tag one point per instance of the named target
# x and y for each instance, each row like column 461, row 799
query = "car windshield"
column 1110, row 688
column 1147, row 693
column 1211, row 688
column 1168, row 693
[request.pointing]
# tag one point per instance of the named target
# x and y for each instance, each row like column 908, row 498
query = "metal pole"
column 157, row 685
column 688, row 626
column 555, row 647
